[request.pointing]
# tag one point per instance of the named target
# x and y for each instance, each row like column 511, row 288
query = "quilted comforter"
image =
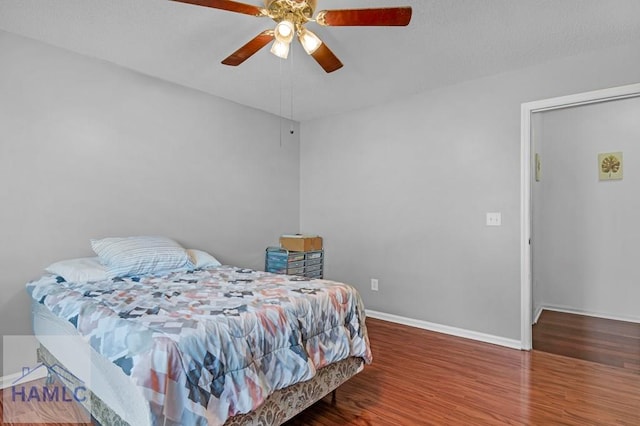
column 205, row 345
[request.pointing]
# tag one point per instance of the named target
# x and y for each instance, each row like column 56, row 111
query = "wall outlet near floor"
column 374, row 284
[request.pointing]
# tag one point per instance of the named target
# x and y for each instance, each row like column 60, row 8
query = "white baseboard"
column 570, row 310
column 454, row 331
column 537, row 314
column 7, row 381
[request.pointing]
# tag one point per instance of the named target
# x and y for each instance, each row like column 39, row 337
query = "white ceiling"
column 447, row 41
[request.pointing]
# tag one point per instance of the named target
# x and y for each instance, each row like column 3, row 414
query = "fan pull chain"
column 280, row 113
column 291, row 93
column 291, row 111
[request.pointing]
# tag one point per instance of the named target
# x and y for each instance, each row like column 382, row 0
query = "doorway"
column 530, row 114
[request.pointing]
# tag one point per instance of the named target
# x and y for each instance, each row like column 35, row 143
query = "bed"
column 201, row 346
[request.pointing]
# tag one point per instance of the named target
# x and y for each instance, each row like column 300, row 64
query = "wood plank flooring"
column 610, row 342
column 60, row 410
column 425, row 378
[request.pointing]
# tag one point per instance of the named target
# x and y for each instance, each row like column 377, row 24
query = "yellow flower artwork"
column 610, row 165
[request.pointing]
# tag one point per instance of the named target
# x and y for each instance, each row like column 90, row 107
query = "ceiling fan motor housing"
column 296, row 11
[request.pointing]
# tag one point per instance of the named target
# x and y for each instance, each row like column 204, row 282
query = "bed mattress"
column 202, row 346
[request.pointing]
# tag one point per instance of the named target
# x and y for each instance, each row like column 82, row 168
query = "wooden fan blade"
column 390, row 16
column 327, row 60
column 231, row 6
column 246, row 51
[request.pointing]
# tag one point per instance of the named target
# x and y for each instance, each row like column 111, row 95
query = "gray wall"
column 587, row 230
column 400, row 192
column 88, row 149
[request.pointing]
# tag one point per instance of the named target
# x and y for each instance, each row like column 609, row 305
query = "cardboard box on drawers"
column 301, row 242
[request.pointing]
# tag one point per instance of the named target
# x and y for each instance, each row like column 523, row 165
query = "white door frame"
column 527, row 110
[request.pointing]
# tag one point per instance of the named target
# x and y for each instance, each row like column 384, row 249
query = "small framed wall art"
column 610, row 165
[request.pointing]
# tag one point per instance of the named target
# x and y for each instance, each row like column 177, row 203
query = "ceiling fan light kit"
column 292, row 15
column 309, row 41
column 280, row 49
column 284, row 31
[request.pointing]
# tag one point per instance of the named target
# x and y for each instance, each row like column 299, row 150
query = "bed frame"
column 279, row 407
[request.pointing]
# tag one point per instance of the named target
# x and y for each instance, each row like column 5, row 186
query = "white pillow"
column 201, row 259
column 136, row 256
column 81, row 270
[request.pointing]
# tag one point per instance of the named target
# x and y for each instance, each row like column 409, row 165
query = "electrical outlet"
column 494, row 219
column 374, row 284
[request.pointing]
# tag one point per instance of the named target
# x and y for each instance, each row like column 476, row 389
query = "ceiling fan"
column 292, row 15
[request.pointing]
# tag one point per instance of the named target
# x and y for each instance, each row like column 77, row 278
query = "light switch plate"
column 494, row 219
column 374, row 284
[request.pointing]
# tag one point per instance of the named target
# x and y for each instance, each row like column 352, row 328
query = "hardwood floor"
column 425, row 378
column 605, row 341
column 60, row 410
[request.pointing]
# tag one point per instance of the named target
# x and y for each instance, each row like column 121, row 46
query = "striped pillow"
column 136, row 256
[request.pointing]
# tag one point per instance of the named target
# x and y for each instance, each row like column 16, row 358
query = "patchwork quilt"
column 206, row 345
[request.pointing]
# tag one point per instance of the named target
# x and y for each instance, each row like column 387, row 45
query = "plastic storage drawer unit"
column 303, row 263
